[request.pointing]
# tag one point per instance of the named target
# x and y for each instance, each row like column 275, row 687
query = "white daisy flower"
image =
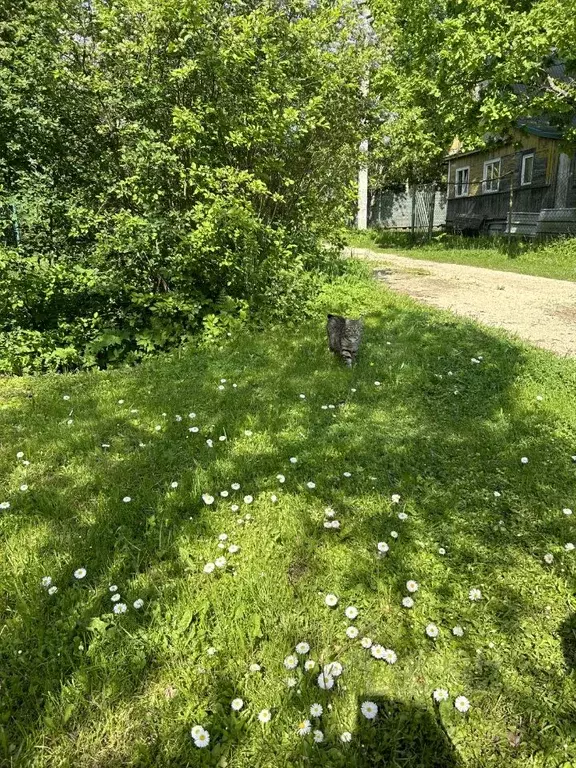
column 475, row 594
column 376, row 383
column 394, row 534
column 210, row 443
column 115, row 598
column 302, row 397
column 377, row 651
column 235, row 508
column 328, row 524
column 79, row 573
column 316, row 710
column 192, row 415
column 120, row 608
column 121, row 402
column 223, row 536
column 273, row 498
column 248, row 499
column 352, row 633
column 220, row 562
column 402, row 516
column 293, row 460
column 23, row 487
column 291, row 661
column 4, row 505
column 440, row 694
column 432, row 630
column 369, row 710
column 309, row 664
column 524, row 460
column 347, row 474
column 264, row 716
column 174, row 485
column 237, row 704
column 304, row 728
column 233, row 548
column 157, row 427
column 382, row 547
column 291, row 682
column 209, row 567
column 52, row 590
column 390, row 656
column 280, row 478
column 220, row 387
column 207, row 499
column 20, row 455
column 105, row 445
column 395, row 498
column 138, row 603
column 113, row 588
column 203, row 740
column 567, row 511
column 549, row 558
column 126, row 499
column 178, row 418
column 212, row 651
column 46, row 581
column 333, row 668
column 66, row 397
column 194, row 430
column 222, row 438
column 248, row 517
column 346, row 737
column 462, row 704
column 407, row 602
column 235, row 486
column 329, row 512
column 331, row 600
column 351, row 612
column 458, row 631
column 412, row 586
column 366, row 642
column 196, row 731
column 302, row 648
column 248, row 432
column 254, row 667
column 569, row 547
column 311, row 485
column 318, row 737
column 335, row 524
column 326, row 682
column 441, row 551
column 497, row 494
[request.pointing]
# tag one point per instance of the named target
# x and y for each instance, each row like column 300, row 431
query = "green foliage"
column 84, row 687
column 156, row 156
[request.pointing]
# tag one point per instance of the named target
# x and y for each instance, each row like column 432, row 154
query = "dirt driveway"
column 539, row 310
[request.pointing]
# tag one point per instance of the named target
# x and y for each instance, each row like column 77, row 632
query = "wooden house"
column 523, row 183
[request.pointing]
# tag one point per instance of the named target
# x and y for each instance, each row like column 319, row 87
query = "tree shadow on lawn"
column 443, row 452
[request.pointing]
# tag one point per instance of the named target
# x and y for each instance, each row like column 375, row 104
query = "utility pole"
column 362, row 222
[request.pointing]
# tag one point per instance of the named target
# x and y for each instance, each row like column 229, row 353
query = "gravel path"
column 539, row 310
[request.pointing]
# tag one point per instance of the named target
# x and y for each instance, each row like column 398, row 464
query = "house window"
column 492, row 176
column 462, row 186
column 527, row 169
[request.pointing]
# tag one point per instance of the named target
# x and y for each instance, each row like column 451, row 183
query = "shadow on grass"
column 443, row 442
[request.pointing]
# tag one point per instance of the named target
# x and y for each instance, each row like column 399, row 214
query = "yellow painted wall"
column 548, row 148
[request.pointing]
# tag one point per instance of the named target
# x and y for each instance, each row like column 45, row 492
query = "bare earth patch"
column 539, row 310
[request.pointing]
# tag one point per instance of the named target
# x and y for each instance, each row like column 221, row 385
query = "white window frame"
column 485, row 181
column 466, row 187
column 523, row 181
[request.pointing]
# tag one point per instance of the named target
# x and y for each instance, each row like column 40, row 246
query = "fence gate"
column 419, row 209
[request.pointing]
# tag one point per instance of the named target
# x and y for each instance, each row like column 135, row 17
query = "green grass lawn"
column 556, row 259
column 83, row 686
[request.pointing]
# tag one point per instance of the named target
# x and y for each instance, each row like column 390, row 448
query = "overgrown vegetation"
column 166, row 165
column 104, row 471
column 554, row 258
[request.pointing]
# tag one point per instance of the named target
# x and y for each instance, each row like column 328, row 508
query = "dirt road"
column 539, row 310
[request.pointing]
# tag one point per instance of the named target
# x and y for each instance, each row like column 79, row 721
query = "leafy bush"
column 166, row 165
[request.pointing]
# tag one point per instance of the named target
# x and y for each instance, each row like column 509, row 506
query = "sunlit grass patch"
column 427, row 462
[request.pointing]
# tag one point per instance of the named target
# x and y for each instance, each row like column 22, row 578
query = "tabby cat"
column 344, row 337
